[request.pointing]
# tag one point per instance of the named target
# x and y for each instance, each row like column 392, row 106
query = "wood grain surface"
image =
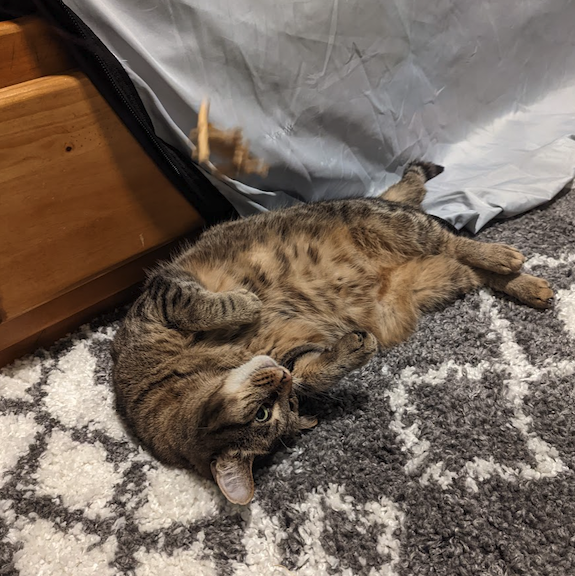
column 30, row 48
column 79, row 199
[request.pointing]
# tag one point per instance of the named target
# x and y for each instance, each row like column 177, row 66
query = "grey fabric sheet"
column 338, row 95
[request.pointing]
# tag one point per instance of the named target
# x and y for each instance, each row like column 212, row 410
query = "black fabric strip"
column 114, row 84
column 10, row 9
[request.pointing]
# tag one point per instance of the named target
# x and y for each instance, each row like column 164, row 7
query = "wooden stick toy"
column 223, row 152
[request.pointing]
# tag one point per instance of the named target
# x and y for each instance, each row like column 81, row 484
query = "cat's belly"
column 315, row 294
column 283, row 326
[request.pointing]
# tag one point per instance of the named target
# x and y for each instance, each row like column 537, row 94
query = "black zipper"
column 92, row 56
column 118, row 91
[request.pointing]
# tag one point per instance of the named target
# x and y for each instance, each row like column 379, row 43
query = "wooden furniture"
column 83, row 210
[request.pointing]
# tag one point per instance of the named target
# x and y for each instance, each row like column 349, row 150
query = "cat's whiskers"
column 284, row 444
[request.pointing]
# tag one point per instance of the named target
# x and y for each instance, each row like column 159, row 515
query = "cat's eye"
column 263, row 414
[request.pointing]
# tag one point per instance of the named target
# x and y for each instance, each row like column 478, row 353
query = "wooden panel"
column 29, row 48
column 78, row 196
column 45, row 324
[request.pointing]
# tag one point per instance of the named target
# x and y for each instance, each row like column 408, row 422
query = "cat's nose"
column 286, row 379
column 286, row 376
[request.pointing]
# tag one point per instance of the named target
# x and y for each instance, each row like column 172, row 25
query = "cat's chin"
column 261, row 362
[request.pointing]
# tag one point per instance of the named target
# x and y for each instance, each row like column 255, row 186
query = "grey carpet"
column 452, row 454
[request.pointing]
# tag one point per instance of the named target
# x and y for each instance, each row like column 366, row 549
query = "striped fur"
column 213, row 355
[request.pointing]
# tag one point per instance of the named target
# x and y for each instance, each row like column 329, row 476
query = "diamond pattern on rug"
column 78, row 474
column 449, row 455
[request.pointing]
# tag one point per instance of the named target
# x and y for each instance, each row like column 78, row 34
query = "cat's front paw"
column 244, row 306
column 356, row 348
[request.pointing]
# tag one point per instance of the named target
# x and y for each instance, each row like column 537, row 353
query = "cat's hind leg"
column 498, row 266
column 498, row 258
column 438, row 280
column 420, row 285
column 530, row 290
column 411, row 188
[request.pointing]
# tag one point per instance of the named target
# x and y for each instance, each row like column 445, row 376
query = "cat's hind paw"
column 502, row 259
column 531, row 290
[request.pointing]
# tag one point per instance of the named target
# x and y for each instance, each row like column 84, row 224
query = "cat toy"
column 223, row 152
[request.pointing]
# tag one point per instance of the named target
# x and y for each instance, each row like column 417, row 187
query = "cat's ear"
column 234, row 477
column 307, row 422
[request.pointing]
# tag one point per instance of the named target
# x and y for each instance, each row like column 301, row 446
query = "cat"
column 212, row 357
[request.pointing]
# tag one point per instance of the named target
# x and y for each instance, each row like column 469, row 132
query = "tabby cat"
column 212, row 357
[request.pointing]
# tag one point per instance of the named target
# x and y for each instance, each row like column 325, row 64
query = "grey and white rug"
column 453, row 454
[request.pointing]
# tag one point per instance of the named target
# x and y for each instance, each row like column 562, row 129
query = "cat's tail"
column 411, row 188
column 425, row 170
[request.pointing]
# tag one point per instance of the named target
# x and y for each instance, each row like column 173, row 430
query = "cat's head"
column 246, row 417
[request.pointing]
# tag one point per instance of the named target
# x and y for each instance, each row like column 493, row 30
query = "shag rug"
column 452, row 454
